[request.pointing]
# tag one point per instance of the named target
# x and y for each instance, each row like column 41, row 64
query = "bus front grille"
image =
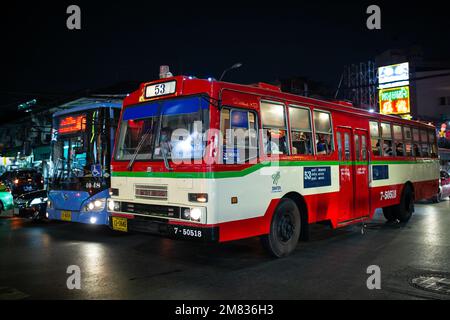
column 151, row 210
column 150, row 192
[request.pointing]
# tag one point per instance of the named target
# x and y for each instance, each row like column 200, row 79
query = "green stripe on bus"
column 247, row 171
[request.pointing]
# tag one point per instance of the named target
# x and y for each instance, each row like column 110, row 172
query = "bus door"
column 346, row 175
column 361, row 170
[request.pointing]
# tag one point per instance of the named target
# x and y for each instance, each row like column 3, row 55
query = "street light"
column 26, row 107
column 234, row 66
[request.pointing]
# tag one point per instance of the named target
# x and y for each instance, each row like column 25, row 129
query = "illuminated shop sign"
column 72, row 124
column 394, row 100
column 393, row 76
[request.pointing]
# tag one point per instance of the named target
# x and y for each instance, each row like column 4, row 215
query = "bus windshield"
column 174, row 128
column 81, row 149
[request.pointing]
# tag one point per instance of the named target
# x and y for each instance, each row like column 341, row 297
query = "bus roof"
column 83, row 104
column 262, row 89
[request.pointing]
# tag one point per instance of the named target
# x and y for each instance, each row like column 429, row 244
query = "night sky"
column 122, row 41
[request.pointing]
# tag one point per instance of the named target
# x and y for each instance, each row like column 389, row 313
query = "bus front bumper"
column 99, row 217
column 164, row 227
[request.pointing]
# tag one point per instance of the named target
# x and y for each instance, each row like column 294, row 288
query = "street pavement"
column 34, row 258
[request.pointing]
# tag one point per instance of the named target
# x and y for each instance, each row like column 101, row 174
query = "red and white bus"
column 207, row 160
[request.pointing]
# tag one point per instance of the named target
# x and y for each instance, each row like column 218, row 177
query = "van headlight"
column 95, row 205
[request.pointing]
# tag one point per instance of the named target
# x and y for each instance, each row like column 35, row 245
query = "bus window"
column 274, row 128
column 357, row 148
column 408, row 138
column 239, row 136
column 432, row 141
column 399, row 141
column 386, row 135
column 301, row 133
column 424, row 143
column 338, row 137
column 416, row 149
column 364, row 148
column 375, row 138
column 324, row 132
column 347, row 146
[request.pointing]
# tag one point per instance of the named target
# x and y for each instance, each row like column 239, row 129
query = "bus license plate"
column 120, row 224
column 66, row 215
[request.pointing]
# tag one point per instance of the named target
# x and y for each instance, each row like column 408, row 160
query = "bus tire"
column 406, row 207
column 389, row 214
column 284, row 229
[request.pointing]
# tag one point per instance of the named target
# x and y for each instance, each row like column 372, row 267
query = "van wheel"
column 284, row 229
column 406, row 206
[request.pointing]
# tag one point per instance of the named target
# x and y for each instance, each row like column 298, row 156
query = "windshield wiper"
column 138, row 148
column 164, row 150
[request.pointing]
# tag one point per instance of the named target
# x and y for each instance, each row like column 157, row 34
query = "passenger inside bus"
column 416, row 150
column 323, row 144
column 387, row 148
column 275, row 142
column 301, row 143
column 399, row 149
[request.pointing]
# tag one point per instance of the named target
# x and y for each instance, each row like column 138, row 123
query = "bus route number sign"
column 315, row 177
column 160, row 89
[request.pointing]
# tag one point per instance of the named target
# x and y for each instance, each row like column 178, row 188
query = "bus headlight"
column 113, row 205
column 49, row 204
column 196, row 214
column 96, row 205
column 193, row 214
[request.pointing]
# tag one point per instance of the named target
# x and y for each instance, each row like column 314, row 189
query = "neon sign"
column 394, row 75
column 72, row 124
column 395, row 101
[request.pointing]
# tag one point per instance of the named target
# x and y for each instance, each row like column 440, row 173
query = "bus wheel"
column 406, row 207
column 389, row 213
column 284, row 229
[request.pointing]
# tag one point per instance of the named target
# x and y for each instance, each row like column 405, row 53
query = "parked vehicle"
column 32, row 205
column 444, row 187
column 22, row 181
column 6, row 199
